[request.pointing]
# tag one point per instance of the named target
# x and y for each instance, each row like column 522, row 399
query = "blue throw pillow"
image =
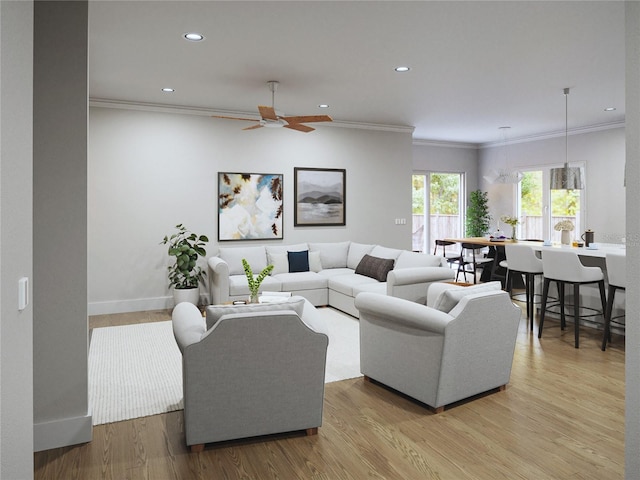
column 298, row 261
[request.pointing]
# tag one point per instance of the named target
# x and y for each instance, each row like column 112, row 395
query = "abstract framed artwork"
column 250, row 206
column 319, row 196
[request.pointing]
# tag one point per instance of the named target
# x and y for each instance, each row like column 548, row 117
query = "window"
column 437, row 208
column 540, row 208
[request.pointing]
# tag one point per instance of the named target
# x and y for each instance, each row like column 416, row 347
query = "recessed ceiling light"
column 609, row 109
column 168, row 90
column 194, row 37
column 402, row 69
column 323, row 105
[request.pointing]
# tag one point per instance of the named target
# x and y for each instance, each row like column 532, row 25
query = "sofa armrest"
column 398, row 313
column 413, row 283
column 188, row 325
column 218, row 280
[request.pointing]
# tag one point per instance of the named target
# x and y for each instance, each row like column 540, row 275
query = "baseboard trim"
column 137, row 305
column 62, row 433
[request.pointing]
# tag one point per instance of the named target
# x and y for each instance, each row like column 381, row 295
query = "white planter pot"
column 565, row 237
column 191, row 295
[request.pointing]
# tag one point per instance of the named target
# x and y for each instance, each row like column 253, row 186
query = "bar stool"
column 616, row 271
column 565, row 267
column 523, row 260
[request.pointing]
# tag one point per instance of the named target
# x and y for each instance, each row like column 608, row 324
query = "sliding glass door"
column 437, row 208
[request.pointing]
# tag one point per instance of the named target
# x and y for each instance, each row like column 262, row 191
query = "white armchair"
column 434, row 356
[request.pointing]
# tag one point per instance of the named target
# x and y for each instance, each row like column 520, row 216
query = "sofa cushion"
column 335, row 272
column 214, row 312
column 315, row 264
column 375, row 267
column 298, row 261
column 280, row 262
column 301, row 281
column 238, row 285
column 298, row 247
column 408, row 259
column 384, row 252
column 356, row 252
column 449, row 298
column 345, row 284
column 375, row 287
column 256, row 256
column 332, row 255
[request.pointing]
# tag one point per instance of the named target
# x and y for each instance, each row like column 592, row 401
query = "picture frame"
column 319, row 197
column 250, row 206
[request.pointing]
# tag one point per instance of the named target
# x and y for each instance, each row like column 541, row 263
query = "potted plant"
column 513, row 221
column 254, row 282
column 185, row 275
column 478, row 218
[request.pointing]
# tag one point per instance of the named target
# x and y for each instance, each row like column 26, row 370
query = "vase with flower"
column 565, row 227
column 255, row 281
column 513, row 221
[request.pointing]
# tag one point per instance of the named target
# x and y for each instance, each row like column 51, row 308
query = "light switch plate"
column 23, row 293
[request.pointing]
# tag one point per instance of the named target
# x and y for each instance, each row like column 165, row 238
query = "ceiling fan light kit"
column 269, row 117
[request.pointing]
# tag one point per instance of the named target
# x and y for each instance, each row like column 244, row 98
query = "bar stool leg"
column 531, row 280
column 606, row 337
column 545, row 292
column 527, row 288
column 576, row 314
column 563, row 322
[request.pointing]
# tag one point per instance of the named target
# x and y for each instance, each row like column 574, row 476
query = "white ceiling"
column 475, row 66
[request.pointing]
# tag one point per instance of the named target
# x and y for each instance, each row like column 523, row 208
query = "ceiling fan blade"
column 300, row 127
column 235, row 118
column 308, row 119
column 253, row 127
column 267, row 112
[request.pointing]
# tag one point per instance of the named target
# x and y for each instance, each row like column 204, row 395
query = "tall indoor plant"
column 478, row 218
column 185, row 275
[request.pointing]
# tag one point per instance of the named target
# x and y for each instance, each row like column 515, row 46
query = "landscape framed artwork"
column 319, row 196
column 250, row 206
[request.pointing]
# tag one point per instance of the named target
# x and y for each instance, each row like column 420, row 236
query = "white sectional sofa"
column 330, row 273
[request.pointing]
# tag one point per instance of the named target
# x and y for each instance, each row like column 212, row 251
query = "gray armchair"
column 252, row 373
column 439, row 357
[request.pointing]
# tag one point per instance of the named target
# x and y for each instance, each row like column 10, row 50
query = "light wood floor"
column 561, row 417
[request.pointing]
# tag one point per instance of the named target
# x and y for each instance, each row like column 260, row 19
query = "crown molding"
column 444, row 144
column 558, row 133
column 207, row 112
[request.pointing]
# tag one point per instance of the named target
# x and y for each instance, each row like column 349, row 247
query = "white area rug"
column 136, row 370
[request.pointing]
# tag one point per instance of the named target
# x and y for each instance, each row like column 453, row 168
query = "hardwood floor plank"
column 561, row 416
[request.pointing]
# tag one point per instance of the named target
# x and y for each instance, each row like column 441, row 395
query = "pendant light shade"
column 504, row 175
column 566, row 177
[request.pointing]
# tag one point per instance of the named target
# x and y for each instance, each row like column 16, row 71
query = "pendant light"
column 504, row 175
column 566, row 177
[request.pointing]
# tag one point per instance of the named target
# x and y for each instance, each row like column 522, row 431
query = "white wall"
column 60, row 334
column 632, row 337
column 604, row 155
column 149, row 171
column 16, row 255
column 428, row 157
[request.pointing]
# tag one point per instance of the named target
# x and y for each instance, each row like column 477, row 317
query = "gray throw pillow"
column 375, row 267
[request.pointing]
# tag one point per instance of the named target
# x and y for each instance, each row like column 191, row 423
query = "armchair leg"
column 312, row 431
column 438, row 410
column 197, row 448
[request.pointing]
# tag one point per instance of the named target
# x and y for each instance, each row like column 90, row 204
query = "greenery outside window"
column 437, row 208
column 540, row 208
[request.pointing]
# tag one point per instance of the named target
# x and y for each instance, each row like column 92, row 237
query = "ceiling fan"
column 269, row 117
